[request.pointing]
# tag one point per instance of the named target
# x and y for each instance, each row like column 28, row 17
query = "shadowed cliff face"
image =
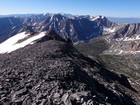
column 52, row 72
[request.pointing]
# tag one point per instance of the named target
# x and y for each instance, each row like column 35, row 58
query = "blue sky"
column 114, row 8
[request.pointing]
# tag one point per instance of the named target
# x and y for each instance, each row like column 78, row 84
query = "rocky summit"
column 52, row 72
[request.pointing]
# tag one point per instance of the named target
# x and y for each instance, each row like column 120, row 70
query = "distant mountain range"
column 113, row 19
column 124, row 20
column 76, row 28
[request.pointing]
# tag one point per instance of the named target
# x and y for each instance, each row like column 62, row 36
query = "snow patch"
column 109, row 30
column 44, row 14
column 96, row 18
column 12, row 45
column 56, row 19
column 13, row 27
column 71, row 30
column 134, row 38
column 51, row 18
column 34, row 24
column 137, row 37
column 121, row 51
column 10, row 21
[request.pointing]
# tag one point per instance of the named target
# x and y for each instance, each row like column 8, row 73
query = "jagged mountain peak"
column 77, row 28
column 93, row 18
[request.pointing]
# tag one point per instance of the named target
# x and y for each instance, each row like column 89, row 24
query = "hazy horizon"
column 14, row 14
column 109, row 8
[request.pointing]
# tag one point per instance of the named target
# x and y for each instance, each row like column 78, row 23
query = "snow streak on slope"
column 96, row 18
column 134, row 38
column 12, row 45
column 109, row 30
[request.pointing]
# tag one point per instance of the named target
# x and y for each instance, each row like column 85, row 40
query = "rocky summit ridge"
column 52, row 72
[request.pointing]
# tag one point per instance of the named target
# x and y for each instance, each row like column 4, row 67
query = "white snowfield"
column 109, row 30
column 11, row 44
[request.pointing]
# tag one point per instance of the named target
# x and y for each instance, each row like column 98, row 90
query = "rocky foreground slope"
column 52, row 72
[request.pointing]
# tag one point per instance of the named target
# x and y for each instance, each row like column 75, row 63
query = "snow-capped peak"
column 19, row 41
column 44, row 14
column 96, row 17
